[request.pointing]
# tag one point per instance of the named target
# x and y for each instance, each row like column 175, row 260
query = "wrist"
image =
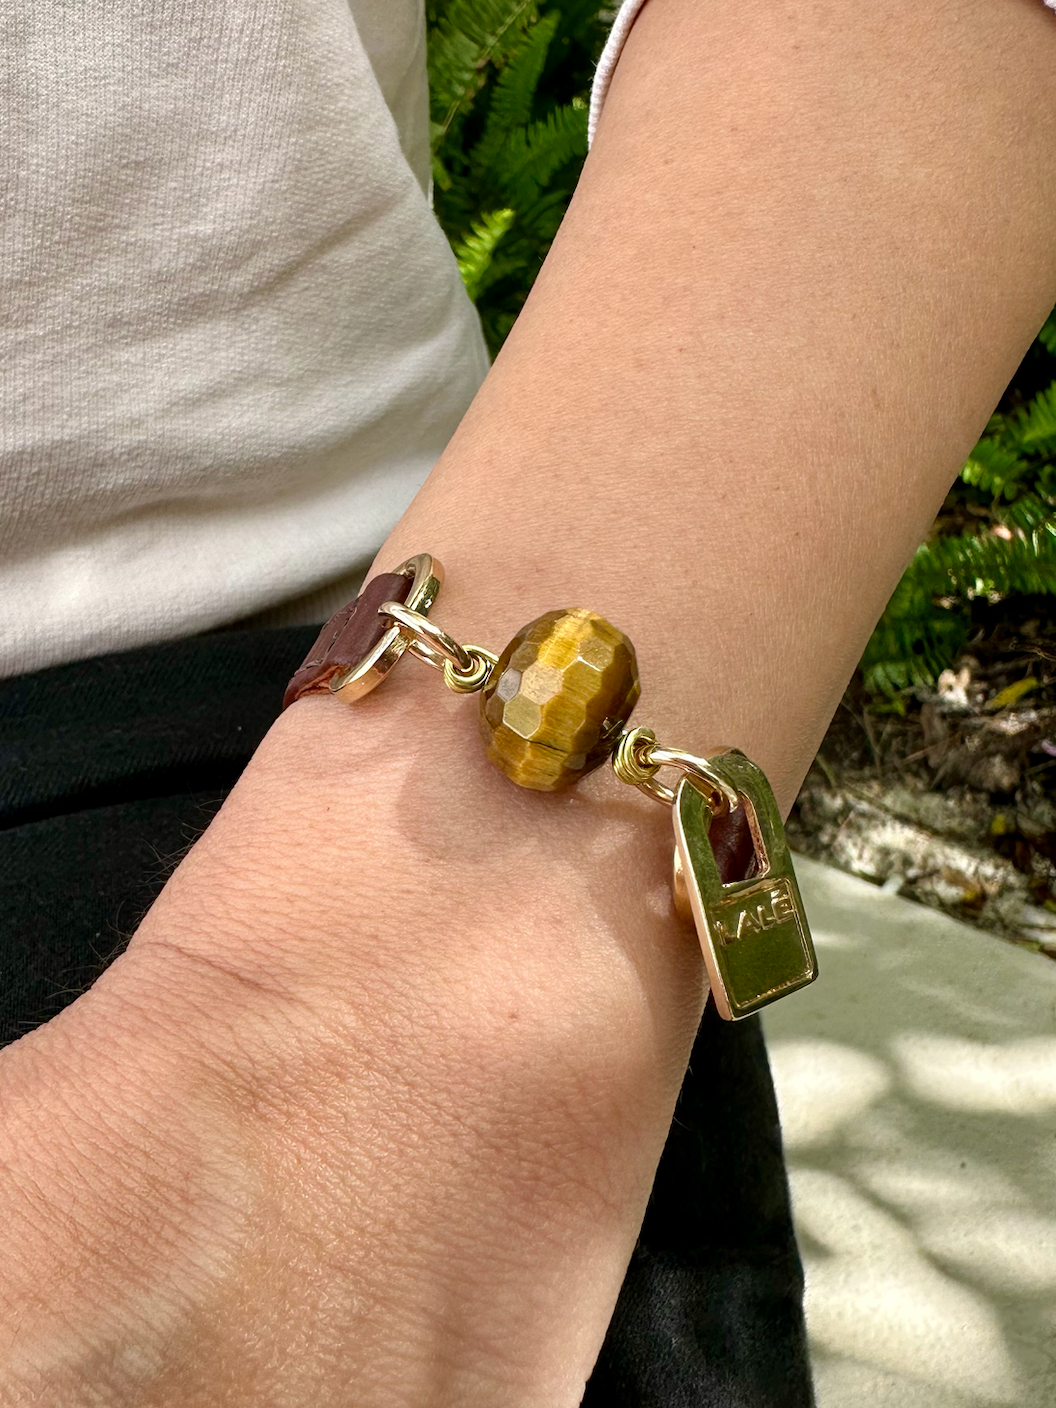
column 381, row 1026
column 124, row 1190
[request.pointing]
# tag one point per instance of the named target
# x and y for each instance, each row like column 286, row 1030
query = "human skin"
column 369, row 1110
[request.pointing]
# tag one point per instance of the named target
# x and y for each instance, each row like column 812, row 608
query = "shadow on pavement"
column 917, row 1087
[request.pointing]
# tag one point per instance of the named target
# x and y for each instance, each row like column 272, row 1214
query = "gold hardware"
column 638, row 757
column 628, row 762
column 680, row 890
column 466, row 668
column 753, row 932
column 425, row 638
column 484, row 661
column 427, row 577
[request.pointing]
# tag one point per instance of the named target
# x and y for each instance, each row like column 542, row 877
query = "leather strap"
column 348, row 636
column 731, row 840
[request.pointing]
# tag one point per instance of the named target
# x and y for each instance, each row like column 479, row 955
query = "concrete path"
column 917, row 1084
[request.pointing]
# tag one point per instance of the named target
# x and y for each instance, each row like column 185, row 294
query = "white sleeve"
column 621, row 27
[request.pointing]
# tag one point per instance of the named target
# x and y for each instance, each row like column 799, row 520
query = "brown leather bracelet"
column 555, row 705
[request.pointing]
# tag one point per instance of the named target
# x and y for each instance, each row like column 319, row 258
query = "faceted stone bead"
column 557, row 698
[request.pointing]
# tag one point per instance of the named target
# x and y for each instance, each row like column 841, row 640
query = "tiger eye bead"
column 559, row 695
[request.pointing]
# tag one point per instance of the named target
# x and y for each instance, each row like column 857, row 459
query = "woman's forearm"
column 376, row 1095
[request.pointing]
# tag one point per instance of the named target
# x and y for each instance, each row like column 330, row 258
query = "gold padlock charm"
column 753, row 932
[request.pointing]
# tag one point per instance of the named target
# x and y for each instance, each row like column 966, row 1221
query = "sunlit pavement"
column 917, row 1085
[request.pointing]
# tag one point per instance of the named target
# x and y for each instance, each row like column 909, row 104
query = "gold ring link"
column 484, row 661
column 426, row 576
column 638, row 758
column 628, row 762
column 723, row 794
column 427, row 640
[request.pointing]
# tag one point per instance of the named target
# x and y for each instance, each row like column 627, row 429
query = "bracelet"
column 554, row 705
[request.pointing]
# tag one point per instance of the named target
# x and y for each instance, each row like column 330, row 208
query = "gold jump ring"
column 638, row 757
column 628, row 762
column 484, row 661
column 426, row 639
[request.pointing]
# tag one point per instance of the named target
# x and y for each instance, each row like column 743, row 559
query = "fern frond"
column 441, row 176
column 470, row 35
column 913, row 643
column 1027, row 513
column 534, row 154
column 973, row 565
column 993, row 467
column 1034, row 426
column 509, row 81
column 476, row 252
column 925, row 623
column 1047, row 336
column 513, row 96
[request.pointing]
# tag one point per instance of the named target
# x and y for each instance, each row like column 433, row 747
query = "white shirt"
column 234, row 340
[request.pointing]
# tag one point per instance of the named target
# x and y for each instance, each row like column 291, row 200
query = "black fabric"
column 710, row 1314
column 109, row 769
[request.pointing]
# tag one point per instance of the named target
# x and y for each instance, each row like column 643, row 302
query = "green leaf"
column 534, row 154
column 1011, row 694
column 509, row 88
column 925, row 623
column 513, row 96
column 1034, row 427
column 913, row 643
column 476, row 252
column 993, row 466
column 441, row 176
column 1026, row 513
column 468, row 37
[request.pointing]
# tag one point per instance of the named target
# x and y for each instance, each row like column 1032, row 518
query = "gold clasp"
column 753, row 932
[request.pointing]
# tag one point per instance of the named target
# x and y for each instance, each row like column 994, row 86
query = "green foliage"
column 509, row 81
column 995, row 537
column 476, row 253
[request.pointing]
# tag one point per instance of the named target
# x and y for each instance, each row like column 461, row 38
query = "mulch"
column 948, row 793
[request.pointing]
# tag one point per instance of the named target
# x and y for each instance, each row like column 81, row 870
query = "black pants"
column 109, row 769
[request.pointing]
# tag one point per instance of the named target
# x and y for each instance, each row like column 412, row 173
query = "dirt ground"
column 953, row 801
